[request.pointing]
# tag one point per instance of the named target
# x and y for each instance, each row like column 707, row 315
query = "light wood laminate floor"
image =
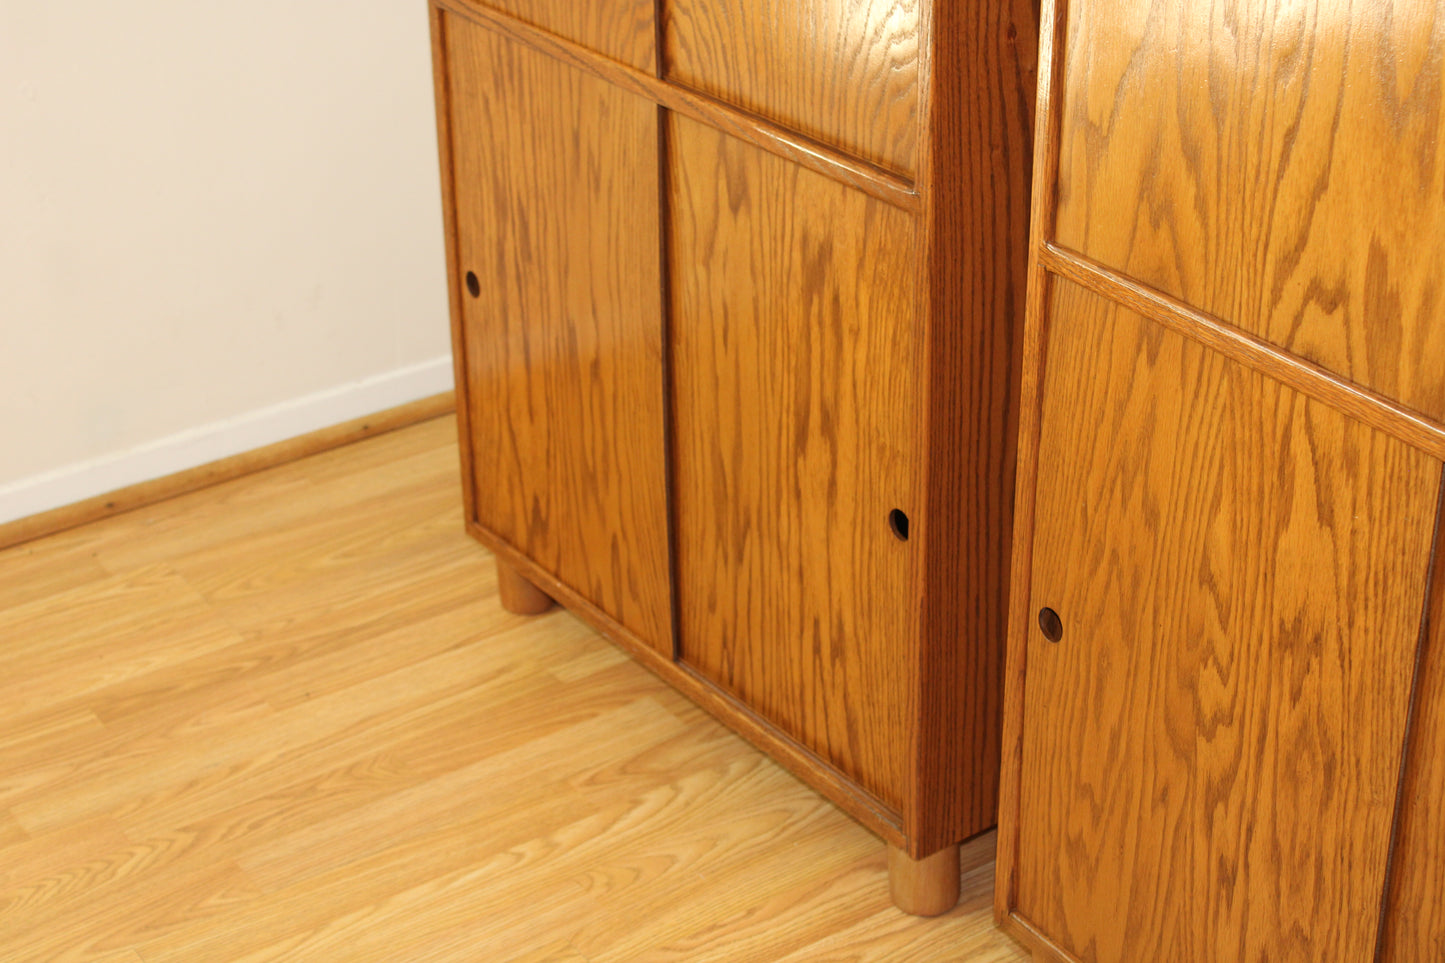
column 286, row 719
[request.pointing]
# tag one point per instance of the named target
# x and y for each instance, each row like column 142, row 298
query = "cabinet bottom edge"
column 833, row 785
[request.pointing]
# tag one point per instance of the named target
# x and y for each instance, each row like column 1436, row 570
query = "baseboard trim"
column 221, row 470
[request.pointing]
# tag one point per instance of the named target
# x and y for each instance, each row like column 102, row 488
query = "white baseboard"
column 222, row 439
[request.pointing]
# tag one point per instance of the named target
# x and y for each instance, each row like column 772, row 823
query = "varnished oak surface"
column 1415, row 925
column 1369, row 407
column 1275, row 165
column 1259, row 182
column 793, row 439
column 286, row 719
column 845, row 74
column 556, row 183
column 1212, row 749
column 893, row 188
column 974, row 248
column 876, row 336
column 624, row 30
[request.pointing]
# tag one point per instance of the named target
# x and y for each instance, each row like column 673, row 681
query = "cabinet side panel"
column 794, row 358
column 1212, row 749
column 845, row 74
column 980, row 148
column 1415, row 912
column 558, row 219
column 1279, row 165
column 624, row 30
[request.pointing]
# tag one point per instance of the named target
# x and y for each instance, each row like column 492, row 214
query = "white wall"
column 220, row 226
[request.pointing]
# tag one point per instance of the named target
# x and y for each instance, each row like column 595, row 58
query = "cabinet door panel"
column 794, row 349
column 624, row 30
column 845, row 73
column 1415, row 922
column 1211, row 751
column 558, row 219
column 1280, row 167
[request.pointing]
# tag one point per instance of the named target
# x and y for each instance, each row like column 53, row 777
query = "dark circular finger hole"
column 474, row 287
column 898, row 521
column 1051, row 624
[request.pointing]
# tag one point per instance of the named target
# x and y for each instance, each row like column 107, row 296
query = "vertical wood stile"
column 1052, row 25
column 1412, row 917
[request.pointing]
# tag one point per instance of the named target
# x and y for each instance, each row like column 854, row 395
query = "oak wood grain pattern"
column 127, row 499
column 794, row 436
column 456, row 280
column 624, row 30
column 1045, row 164
column 975, row 244
column 1213, row 749
column 802, row 762
column 1319, row 383
column 1414, row 910
column 771, row 137
column 390, row 766
column 842, row 73
column 557, row 211
column 1276, row 165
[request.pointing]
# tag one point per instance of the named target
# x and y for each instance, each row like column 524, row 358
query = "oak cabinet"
column 1225, row 700
column 843, row 73
column 557, row 244
column 624, row 30
column 735, row 292
column 794, row 333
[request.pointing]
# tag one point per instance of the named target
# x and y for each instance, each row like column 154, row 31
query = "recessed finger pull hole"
column 1051, row 624
column 898, row 521
column 474, row 287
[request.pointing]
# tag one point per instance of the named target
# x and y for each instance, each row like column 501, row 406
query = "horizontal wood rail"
column 887, row 187
column 1310, row 379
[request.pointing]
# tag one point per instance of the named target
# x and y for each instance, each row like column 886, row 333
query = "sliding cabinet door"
column 559, row 263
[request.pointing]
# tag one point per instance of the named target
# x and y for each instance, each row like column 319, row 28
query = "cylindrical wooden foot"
column 927, row 886
column 520, row 596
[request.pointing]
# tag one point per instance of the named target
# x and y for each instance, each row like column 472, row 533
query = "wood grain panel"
column 1346, row 397
column 1211, row 752
column 977, row 179
column 557, row 212
column 895, row 189
column 624, row 30
column 1275, row 164
column 843, row 73
column 1415, row 910
column 795, row 420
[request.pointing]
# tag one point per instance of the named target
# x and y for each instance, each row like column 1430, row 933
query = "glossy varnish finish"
column 844, row 73
column 841, row 233
column 795, row 418
column 1239, row 573
column 974, row 242
column 563, row 339
column 1228, row 490
column 624, row 30
column 1283, row 168
column 1415, row 910
column 897, row 190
